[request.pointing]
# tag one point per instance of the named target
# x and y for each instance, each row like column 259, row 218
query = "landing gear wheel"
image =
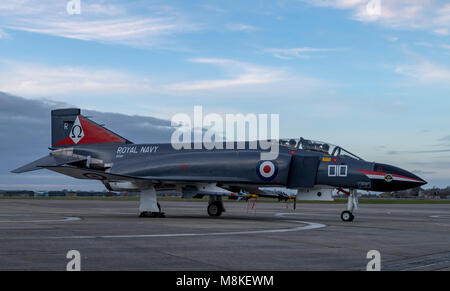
column 347, row 216
column 152, row 214
column 215, row 208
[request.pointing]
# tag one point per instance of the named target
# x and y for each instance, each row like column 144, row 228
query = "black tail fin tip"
column 69, row 128
column 62, row 123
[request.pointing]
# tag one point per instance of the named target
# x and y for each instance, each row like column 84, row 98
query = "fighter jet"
column 83, row 149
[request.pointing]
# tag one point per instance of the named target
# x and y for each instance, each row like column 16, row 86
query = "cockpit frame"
column 318, row 146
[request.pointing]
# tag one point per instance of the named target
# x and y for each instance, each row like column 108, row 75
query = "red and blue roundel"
column 267, row 170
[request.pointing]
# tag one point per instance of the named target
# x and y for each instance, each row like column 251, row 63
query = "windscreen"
column 317, row 146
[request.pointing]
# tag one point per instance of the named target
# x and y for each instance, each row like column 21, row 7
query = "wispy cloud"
column 338, row 4
column 63, row 82
column 441, row 31
column 99, row 21
column 4, row 35
column 300, row 52
column 441, row 147
column 392, row 38
column 42, row 80
column 426, row 72
column 133, row 31
column 420, row 172
column 443, row 15
column 423, row 44
column 241, row 27
column 432, row 15
column 445, row 141
column 245, row 76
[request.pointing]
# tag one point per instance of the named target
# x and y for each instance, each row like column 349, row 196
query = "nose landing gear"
column 352, row 204
column 347, row 216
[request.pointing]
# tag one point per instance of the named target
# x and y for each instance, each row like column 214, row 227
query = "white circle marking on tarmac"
column 65, row 219
column 308, row 226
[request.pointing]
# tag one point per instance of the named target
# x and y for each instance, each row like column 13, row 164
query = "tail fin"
column 69, row 127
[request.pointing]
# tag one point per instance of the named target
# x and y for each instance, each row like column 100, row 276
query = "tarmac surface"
column 37, row 234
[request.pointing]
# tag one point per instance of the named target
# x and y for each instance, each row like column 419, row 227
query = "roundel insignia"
column 388, row 178
column 267, row 170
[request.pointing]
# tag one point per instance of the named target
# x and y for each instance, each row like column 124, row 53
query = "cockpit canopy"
column 317, row 146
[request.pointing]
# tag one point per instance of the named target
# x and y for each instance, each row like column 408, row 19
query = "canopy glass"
column 318, row 146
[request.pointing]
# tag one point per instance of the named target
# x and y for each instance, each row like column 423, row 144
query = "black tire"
column 152, row 214
column 215, row 208
column 147, row 214
column 347, row 216
column 159, row 206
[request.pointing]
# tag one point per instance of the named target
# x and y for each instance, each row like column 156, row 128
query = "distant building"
column 40, row 194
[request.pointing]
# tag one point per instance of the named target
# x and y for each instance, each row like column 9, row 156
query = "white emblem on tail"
column 76, row 133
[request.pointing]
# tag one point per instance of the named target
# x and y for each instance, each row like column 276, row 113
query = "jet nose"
column 390, row 178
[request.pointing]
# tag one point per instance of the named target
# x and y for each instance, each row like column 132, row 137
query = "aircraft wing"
column 91, row 174
column 201, row 183
column 85, row 173
column 47, row 161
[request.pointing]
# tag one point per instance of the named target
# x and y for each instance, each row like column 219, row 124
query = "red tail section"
column 84, row 131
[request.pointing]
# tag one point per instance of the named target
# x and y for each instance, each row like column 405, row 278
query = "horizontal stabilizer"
column 47, row 161
column 92, row 174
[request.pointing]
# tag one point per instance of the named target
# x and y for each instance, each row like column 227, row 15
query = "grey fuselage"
column 293, row 168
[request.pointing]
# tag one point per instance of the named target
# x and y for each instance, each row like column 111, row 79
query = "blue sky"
column 376, row 83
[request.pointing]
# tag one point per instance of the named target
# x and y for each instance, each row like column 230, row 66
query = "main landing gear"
column 352, row 204
column 215, row 205
column 148, row 205
column 153, row 214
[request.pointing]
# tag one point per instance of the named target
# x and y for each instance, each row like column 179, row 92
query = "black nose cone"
column 389, row 178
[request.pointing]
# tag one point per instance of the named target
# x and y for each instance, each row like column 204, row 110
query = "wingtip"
column 16, row 171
